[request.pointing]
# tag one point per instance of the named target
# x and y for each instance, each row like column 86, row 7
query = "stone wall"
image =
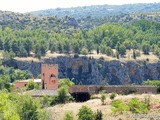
column 120, row 89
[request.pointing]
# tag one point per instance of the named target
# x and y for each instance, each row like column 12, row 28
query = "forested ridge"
column 100, row 10
column 141, row 35
column 67, row 23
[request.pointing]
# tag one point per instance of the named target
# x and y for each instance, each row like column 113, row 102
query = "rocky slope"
column 91, row 71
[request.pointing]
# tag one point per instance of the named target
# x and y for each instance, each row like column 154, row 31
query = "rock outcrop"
column 83, row 70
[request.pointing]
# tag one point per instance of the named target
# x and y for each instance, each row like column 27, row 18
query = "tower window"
column 52, row 75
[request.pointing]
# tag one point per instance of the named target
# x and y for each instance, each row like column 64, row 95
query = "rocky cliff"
column 83, row 70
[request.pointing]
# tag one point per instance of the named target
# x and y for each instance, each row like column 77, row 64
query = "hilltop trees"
column 104, row 39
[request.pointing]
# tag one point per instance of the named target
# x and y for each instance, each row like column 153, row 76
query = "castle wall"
column 119, row 89
column 50, row 76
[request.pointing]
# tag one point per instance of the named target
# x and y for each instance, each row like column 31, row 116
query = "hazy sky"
column 32, row 5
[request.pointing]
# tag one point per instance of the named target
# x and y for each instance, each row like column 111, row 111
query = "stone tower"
column 49, row 76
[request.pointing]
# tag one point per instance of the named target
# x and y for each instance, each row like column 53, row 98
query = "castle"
column 49, row 78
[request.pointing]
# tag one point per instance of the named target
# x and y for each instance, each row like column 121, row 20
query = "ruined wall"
column 89, row 71
column 111, row 88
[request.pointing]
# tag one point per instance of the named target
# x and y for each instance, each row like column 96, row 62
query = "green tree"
column 122, row 50
column 112, row 96
column 84, row 51
column 146, row 48
column 85, row 113
column 103, row 98
column 32, row 85
column 119, row 107
column 109, row 51
column 8, row 110
column 62, row 95
column 65, row 83
column 98, row 115
column 28, row 46
column 8, row 56
column 137, row 106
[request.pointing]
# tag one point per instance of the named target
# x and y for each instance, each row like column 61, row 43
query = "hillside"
column 19, row 21
column 68, row 24
column 99, row 10
column 57, row 114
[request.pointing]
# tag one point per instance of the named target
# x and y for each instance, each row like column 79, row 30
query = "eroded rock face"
column 90, row 71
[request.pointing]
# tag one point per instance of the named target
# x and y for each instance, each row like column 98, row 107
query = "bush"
column 147, row 102
column 112, row 96
column 84, row 51
column 76, row 55
column 103, row 98
column 54, row 100
column 68, row 116
column 45, row 101
column 119, row 107
column 31, row 85
column 62, row 95
column 65, row 83
column 85, row 113
column 137, row 106
column 98, row 115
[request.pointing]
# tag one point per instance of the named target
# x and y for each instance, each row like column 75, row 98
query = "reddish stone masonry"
column 49, row 76
column 119, row 89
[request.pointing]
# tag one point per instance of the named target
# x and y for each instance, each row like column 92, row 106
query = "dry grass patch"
column 58, row 111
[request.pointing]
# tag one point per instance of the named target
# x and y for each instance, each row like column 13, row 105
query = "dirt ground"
column 57, row 112
column 128, row 57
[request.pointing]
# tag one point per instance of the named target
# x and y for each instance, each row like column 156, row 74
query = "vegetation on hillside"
column 99, row 10
column 141, row 35
column 20, row 107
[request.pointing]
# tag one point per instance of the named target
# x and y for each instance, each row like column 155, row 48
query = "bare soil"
column 128, row 57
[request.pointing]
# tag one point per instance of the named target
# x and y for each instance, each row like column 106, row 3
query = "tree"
column 134, row 54
column 7, row 44
column 90, row 45
column 103, row 98
column 67, row 46
column 119, row 107
column 112, row 96
column 85, row 113
column 98, row 115
column 65, row 83
column 28, row 46
column 29, row 108
column 84, row 51
column 137, row 106
column 109, row 51
column 8, row 110
column 15, row 47
column 8, row 56
column 4, row 82
column 60, row 47
column 146, row 48
column 32, row 85
column 97, row 49
column 122, row 50
column 62, row 95
column 22, row 52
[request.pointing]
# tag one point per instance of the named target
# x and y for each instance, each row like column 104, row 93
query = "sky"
column 23, row 6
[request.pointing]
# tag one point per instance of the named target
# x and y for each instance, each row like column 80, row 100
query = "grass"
column 128, row 57
column 58, row 111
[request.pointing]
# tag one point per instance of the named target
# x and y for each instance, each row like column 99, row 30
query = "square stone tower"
column 49, row 76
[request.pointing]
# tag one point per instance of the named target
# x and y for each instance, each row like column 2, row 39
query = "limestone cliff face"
column 90, row 71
